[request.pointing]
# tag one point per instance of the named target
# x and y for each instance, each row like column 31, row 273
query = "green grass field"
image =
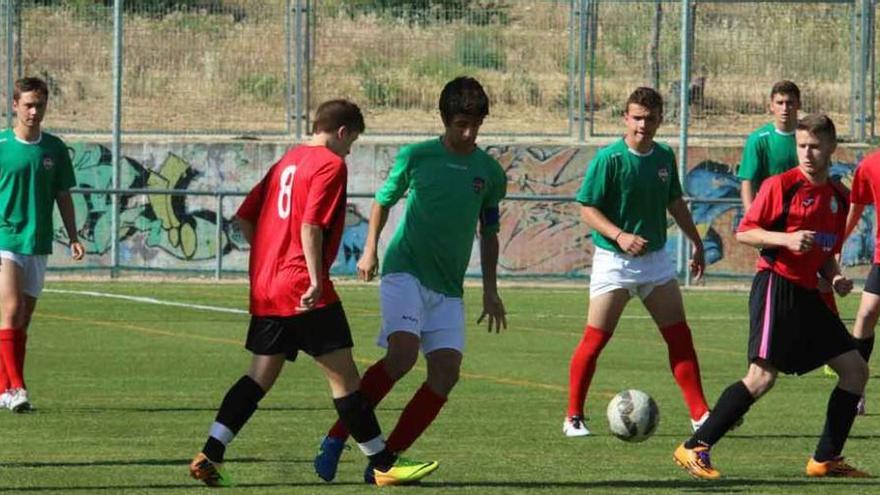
column 125, row 392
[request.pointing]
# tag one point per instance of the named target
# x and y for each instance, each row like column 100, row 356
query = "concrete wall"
column 541, row 238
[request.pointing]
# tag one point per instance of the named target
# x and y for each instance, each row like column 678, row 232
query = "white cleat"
column 18, row 401
column 574, row 426
column 5, row 397
column 860, row 407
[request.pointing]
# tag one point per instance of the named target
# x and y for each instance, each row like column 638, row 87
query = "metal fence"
column 552, row 67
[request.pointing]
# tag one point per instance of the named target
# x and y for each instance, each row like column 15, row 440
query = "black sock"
column 237, row 407
column 733, row 404
column 358, row 416
column 865, row 347
column 838, row 421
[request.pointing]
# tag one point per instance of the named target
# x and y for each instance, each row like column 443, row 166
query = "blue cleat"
column 370, row 474
column 327, row 460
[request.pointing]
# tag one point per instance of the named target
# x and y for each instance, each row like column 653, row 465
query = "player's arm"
column 247, row 228
column 754, row 227
column 800, row 241
column 830, row 270
column 631, row 244
column 747, row 194
column 852, row 218
column 312, row 237
column 368, row 265
column 493, row 307
column 685, row 221
column 68, row 217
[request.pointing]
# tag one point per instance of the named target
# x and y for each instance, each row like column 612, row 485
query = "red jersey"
column 866, row 190
column 307, row 185
column 788, row 202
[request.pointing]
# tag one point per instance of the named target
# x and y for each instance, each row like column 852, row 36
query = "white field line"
column 148, row 300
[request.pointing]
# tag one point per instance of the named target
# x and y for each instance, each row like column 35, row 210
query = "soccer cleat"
column 835, row 468
column 829, row 371
column 327, row 460
column 696, row 462
column 369, row 474
column 574, row 426
column 209, row 472
column 860, row 407
column 18, row 401
column 5, row 397
column 404, row 472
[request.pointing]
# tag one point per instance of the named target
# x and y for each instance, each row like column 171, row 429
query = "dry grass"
column 191, row 72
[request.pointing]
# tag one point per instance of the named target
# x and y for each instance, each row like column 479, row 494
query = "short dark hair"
column 818, row 124
column 333, row 114
column 785, row 87
column 463, row 96
column 28, row 84
column 646, row 97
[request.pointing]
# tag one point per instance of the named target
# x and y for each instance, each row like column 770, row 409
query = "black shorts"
column 315, row 332
column 872, row 285
column 791, row 327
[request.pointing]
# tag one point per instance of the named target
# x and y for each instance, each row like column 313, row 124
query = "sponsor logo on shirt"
column 479, row 184
column 48, row 162
column 456, row 166
column 826, row 240
column 663, row 174
column 807, row 202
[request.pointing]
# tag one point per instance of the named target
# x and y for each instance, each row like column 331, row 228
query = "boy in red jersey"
column 866, row 191
column 294, row 220
column 797, row 221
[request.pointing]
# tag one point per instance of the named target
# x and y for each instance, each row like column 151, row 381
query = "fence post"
column 218, row 237
column 872, row 63
column 582, row 69
column 572, row 60
column 686, row 27
column 117, row 134
column 864, row 58
column 298, row 106
column 10, row 55
column 288, row 61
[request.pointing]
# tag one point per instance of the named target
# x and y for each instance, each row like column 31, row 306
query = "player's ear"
column 342, row 132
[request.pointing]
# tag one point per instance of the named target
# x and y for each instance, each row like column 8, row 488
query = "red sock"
column 4, row 378
column 20, row 351
column 583, row 366
column 8, row 345
column 415, row 418
column 685, row 368
column 375, row 385
column 828, row 297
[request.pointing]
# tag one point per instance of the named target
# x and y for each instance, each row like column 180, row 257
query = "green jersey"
column 447, row 195
column 31, row 175
column 768, row 152
column 632, row 190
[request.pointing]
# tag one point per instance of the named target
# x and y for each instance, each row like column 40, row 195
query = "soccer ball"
column 633, row 416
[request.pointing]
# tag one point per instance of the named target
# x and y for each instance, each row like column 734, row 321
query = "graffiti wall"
column 538, row 238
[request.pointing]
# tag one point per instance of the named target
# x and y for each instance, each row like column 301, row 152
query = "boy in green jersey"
column 35, row 173
column 454, row 189
column 770, row 150
column 628, row 188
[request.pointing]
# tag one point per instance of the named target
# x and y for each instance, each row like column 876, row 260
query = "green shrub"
column 480, row 49
column 266, row 88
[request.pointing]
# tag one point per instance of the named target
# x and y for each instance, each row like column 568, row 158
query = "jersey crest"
column 479, row 184
column 663, row 173
column 48, row 162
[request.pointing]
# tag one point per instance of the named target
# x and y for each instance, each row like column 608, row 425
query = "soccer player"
column 627, row 190
column 35, row 174
column 770, row 149
column 453, row 186
column 797, row 221
column 294, row 220
column 866, row 191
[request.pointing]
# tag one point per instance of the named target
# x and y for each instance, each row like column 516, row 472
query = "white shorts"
column 33, row 270
column 408, row 306
column 637, row 274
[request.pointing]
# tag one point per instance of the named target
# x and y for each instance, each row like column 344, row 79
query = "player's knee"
column 442, row 379
column 855, row 374
column 398, row 364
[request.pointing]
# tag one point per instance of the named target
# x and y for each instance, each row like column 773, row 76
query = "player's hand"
column 310, row 298
column 367, row 266
column 801, row 241
column 698, row 262
column 631, row 244
column 77, row 251
column 493, row 308
column 842, row 285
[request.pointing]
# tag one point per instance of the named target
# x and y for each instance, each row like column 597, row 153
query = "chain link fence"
column 551, row 67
